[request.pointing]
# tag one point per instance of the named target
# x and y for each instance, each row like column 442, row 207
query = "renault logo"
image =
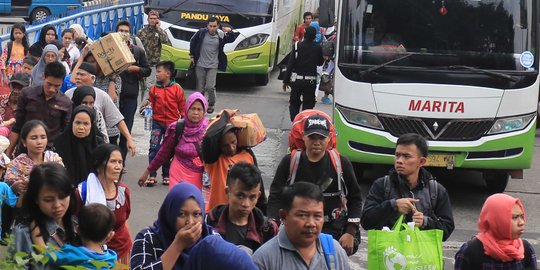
column 435, row 126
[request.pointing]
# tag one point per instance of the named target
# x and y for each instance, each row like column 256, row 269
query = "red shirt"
column 168, row 103
column 299, row 33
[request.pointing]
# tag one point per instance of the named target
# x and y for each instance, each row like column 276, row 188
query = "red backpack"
column 297, row 146
column 296, row 135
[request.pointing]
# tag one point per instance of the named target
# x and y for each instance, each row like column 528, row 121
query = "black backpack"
column 178, row 133
column 475, row 252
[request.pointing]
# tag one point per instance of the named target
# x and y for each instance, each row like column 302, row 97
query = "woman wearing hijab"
column 86, row 95
column 79, row 33
column 75, row 144
column 49, row 55
column 46, row 36
column 498, row 245
column 180, row 225
column 187, row 164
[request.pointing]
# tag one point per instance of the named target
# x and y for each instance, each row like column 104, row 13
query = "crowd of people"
column 69, row 131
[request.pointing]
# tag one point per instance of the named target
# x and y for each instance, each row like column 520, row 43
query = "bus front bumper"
column 509, row 151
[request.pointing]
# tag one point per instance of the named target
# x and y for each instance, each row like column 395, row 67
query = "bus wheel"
column 261, row 79
column 496, row 181
column 40, row 14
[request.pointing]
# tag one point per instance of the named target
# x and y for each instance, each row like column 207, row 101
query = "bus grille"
column 437, row 129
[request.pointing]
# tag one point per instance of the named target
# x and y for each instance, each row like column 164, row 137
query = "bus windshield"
column 481, row 34
column 195, row 13
column 248, row 7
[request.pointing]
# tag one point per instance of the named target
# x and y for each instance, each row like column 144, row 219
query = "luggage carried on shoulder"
column 210, row 144
column 296, row 134
column 251, row 131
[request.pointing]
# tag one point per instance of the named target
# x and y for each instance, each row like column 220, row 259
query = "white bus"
column 462, row 73
column 266, row 30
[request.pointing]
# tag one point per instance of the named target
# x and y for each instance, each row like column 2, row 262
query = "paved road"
column 466, row 188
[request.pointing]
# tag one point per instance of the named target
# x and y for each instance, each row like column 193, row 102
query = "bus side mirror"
column 327, row 13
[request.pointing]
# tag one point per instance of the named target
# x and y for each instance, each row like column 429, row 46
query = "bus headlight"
column 253, row 41
column 510, row 124
column 360, row 118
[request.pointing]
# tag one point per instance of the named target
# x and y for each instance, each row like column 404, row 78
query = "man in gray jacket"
column 297, row 245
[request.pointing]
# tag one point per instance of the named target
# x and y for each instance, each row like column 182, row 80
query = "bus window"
column 482, row 34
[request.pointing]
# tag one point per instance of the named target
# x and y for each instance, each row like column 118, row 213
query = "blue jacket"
column 75, row 256
column 196, row 43
column 212, row 252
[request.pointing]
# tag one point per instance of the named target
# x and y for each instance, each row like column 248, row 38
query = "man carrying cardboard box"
column 131, row 81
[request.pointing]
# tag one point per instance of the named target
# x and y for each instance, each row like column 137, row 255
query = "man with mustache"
column 408, row 190
column 297, row 245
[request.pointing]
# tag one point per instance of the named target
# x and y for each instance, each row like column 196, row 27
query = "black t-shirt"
column 321, row 173
column 236, row 234
column 317, row 173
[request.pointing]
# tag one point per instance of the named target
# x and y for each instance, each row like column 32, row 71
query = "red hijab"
column 495, row 224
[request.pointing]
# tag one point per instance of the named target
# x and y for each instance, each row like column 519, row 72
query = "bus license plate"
column 438, row 160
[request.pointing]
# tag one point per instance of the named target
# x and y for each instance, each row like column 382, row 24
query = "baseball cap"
column 20, row 78
column 317, row 124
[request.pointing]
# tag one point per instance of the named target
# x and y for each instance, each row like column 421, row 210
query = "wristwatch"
column 353, row 220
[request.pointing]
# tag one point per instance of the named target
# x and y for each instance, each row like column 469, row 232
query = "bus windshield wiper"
column 377, row 67
column 227, row 8
column 484, row 71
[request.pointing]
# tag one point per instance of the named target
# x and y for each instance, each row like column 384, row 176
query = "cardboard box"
column 112, row 54
column 251, row 129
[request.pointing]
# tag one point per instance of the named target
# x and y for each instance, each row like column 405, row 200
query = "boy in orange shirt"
column 168, row 102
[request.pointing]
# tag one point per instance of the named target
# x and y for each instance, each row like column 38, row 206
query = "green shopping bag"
column 403, row 248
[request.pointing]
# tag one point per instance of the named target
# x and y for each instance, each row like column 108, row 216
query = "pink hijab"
column 495, row 224
column 194, row 132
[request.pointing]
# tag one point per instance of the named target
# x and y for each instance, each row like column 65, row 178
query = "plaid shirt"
column 146, row 252
column 464, row 262
column 148, row 249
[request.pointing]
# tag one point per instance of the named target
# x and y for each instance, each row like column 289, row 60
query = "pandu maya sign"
column 203, row 17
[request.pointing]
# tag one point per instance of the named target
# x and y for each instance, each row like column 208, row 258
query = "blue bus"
column 37, row 9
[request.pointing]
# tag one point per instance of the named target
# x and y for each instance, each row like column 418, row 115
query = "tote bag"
column 404, row 248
